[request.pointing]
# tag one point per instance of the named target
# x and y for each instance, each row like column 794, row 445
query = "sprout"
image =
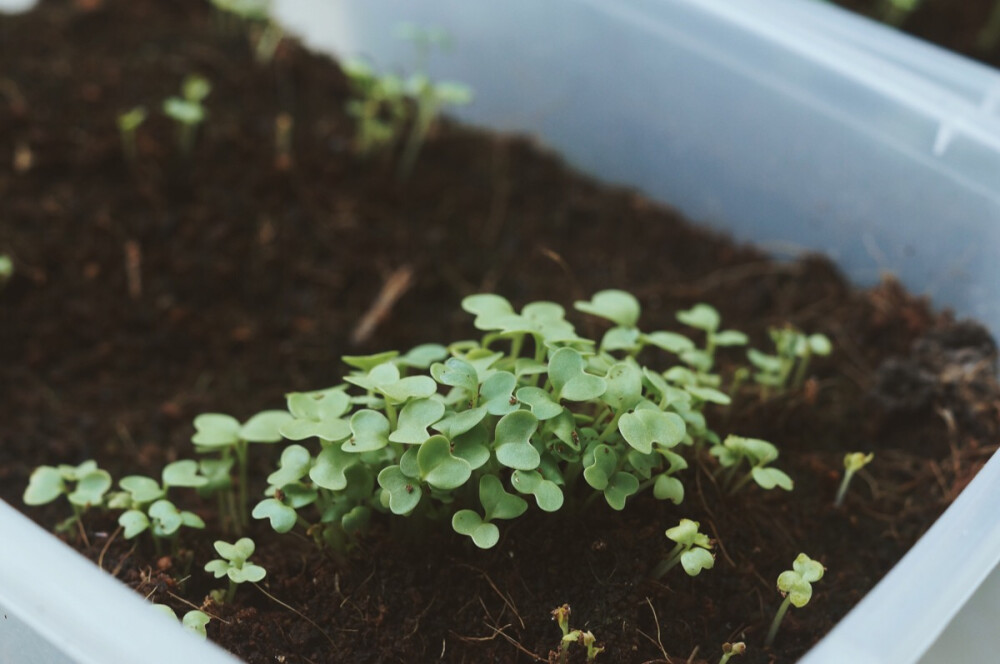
column 731, row 649
column 187, row 111
column 853, row 462
column 795, row 586
column 587, row 639
column 84, row 487
column 147, row 508
column 693, row 550
column 757, row 453
column 378, row 107
column 195, row 620
column 788, row 367
column 128, row 123
column 235, row 564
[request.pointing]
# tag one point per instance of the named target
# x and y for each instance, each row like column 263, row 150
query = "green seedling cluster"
column 693, row 550
column 476, row 432
column 84, row 486
column 234, row 563
column 187, row 110
column 128, row 124
column 571, row 636
column 788, row 366
column 853, row 462
column 385, row 105
column 796, row 587
column 147, row 508
column 734, row 450
column 195, row 621
column 730, row 650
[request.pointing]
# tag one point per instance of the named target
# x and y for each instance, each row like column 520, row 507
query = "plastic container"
column 786, row 122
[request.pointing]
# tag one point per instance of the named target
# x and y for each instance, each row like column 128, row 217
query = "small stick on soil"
column 83, row 534
column 394, row 287
column 298, row 613
column 197, row 608
column 133, row 268
column 659, row 639
column 514, row 642
column 506, row 600
column 121, row 563
column 107, row 545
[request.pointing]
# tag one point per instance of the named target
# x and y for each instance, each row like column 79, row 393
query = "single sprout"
column 128, row 123
column 187, row 111
column 758, row 454
column 195, row 621
column 787, row 368
column 693, row 550
column 6, row 269
column 731, row 649
column 84, row 487
column 587, row 639
column 796, row 587
column 853, row 462
column 378, row 107
column 235, row 565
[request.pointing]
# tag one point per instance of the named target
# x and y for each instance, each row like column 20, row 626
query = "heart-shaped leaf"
column 513, row 435
column 540, row 401
column 368, row 362
column 498, row 503
column 247, row 572
column 439, row 468
column 456, row 424
column 317, row 414
column 134, row 522
column 265, row 427
column 468, row 523
column 423, row 356
column 547, row 321
column 236, row 553
column 281, row 516
column 414, row 419
column 599, row 466
column 617, row 306
column 624, row 386
column 708, row 394
column 701, row 317
column 142, row 489
column 498, row 393
column 294, row 465
column 548, row 496
column 404, row 492
column 472, row 446
column 643, row 427
column 215, row 430
column 621, row 338
column 164, row 518
column 730, row 338
column 492, row 311
column 328, row 471
column 370, row 430
column 668, row 488
column 411, row 387
column 183, row 473
column 44, row 486
column 768, row 478
column 456, row 372
column 196, row 621
column 695, row 560
column 569, row 379
column 619, row 488
column 668, row 341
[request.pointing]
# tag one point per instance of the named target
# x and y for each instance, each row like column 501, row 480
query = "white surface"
column 80, row 613
column 783, row 121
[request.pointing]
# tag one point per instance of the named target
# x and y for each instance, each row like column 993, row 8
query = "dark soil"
column 952, row 24
column 147, row 294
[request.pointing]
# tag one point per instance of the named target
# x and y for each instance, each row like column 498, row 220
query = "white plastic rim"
column 787, row 122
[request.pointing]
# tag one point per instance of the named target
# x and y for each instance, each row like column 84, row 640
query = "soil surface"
column 956, row 25
column 146, row 293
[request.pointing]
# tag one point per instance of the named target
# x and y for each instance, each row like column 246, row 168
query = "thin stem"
column 800, row 371
column 743, row 481
column 778, row 617
column 842, row 491
column 390, row 413
column 668, row 563
column 244, row 499
column 610, row 429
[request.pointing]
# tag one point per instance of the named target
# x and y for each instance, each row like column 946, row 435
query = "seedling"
column 788, row 366
column 148, row 509
column 226, row 436
column 693, row 550
column 430, row 98
column 853, row 462
column 706, row 318
column 730, row 650
column 378, row 107
column 234, row 563
column 758, row 454
column 187, row 110
column 795, row 586
column 195, row 621
column 84, row 487
column 569, row 636
column 128, row 124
